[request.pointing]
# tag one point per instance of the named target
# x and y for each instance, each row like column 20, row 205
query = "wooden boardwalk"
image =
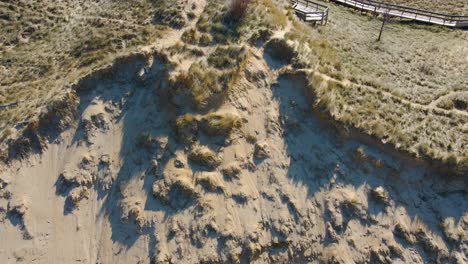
column 310, row 11
column 404, row 12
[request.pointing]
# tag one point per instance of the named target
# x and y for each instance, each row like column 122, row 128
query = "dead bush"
column 238, row 9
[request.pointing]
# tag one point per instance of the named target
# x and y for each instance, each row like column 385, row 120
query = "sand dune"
column 121, row 186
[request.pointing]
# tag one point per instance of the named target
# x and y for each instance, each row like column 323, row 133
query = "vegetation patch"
column 187, row 127
column 190, row 36
column 211, row 181
column 185, row 50
column 169, row 13
column 227, row 57
column 204, row 156
column 215, row 22
column 220, row 124
column 205, row 87
column 213, row 124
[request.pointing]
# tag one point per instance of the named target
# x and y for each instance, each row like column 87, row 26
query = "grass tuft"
column 220, row 124
column 227, row 57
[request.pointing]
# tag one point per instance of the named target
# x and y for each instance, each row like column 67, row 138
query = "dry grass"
column 206, row 87
column 190, row 36
column 214, row 124
column 220, row 124
column 187, row 127
column 204, row 156
column 211, row 181
column 262, row 16
column 457, row 7
column 227, row 57
column 169, row 13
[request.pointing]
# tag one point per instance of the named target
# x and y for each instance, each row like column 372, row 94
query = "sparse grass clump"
column 261, row 36
column 266, row 16
column 169, row 13
column 204, row 156
column 380, row 194
column 211, row 181
column 231, row 171
column 360, row 155
column 220, row 124
column 206, row 87
column 6, row 133
column 191, row 15
column 214, row 124
column 190, row 36
column 78, row 194
column 187, row 127
column 183, row 49
column 146, row 140
column 227, row 57
column 452, row 230
column 205, row 40
column 215, row 21
column 459, row 101
column 262, row 17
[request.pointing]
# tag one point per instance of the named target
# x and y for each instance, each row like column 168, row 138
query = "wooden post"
column 385, row 17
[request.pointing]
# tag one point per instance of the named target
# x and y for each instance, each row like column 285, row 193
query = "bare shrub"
column 238, row 9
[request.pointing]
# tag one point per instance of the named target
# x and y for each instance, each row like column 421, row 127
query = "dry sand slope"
column 122, row 187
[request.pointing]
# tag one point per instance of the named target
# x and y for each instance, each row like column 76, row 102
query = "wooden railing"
column 408, row 12
column 315, row 11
